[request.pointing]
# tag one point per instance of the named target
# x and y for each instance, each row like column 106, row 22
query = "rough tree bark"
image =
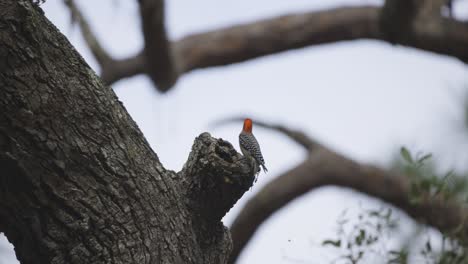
column 78, row 181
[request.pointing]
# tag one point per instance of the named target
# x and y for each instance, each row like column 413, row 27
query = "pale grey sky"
column 362, row 98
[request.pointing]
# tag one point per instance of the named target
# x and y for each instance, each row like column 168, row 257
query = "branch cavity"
column 215, row 176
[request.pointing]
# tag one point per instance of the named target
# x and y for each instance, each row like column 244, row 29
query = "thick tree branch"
column 124, row 68
column 324, row 167
column 415, row 24
column 270, row 36
column 431, row 8
column 420, row 24
column 78, row 181
column 215, row 177
column 446, row 36
column 243, row 42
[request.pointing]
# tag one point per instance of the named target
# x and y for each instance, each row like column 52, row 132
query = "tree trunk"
column 78, row 181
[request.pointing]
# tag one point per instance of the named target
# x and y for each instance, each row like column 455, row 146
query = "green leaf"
column 360, row 237
column 424, row 158
column 406, row 155
column 360, row 254
column 398, row 257
column 335, row 243
column 425, row 185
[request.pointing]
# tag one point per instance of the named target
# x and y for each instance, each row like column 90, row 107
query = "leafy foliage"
column 368, row 238
column 425, row 181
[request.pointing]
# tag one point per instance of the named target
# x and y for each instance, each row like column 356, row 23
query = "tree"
column 79, row 181
column 83, row 186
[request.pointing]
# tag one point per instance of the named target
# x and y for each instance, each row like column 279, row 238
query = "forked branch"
column 324, row 167
column 417, row 24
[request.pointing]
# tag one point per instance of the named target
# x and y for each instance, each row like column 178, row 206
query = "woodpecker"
column 249, row 146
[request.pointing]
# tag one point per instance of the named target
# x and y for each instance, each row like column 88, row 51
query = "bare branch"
column 297, row 136
column 161, row 65
column 431, row 8
column 446, row 36
column 243, row 42
column 270, row 36
column 102, row 57
column 124, row 68
column 325, row 167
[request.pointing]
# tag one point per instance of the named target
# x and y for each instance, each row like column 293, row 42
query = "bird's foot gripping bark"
column 254, row 168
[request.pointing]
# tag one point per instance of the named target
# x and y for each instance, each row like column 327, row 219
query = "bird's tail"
column 265, row 170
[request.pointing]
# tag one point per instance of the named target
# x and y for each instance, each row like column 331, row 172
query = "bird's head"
column 247, row 125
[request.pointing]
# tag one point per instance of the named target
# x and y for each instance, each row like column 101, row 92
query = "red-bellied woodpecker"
column 249, row 146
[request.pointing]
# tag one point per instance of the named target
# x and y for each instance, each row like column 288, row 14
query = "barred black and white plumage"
column 249, row 145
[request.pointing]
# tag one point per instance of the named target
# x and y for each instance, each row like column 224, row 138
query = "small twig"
column 102, row 57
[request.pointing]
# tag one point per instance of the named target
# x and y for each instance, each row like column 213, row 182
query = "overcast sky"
column 362, row 98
